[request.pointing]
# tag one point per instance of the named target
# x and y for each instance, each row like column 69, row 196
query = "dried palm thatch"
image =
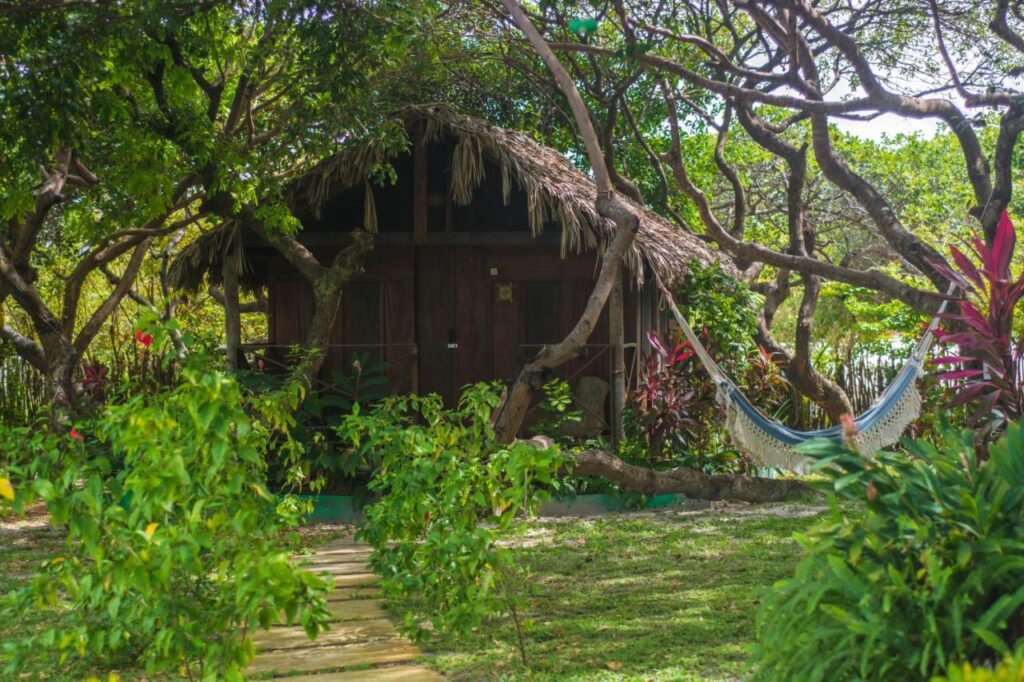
column 556, row 192
column 203, row 261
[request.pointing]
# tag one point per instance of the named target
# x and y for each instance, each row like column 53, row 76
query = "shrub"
column 922, row 568
column 556, row 406
column 171, row 558
column 669, row 401
column 319, row 463
column 447, row 488
column 725, row 308
column 990, row 364
column 1010, row 669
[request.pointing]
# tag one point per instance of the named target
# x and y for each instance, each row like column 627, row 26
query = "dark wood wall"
column 443, row 316
column 452, row 294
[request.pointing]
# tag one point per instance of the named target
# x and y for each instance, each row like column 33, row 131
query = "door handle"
column 452, row 343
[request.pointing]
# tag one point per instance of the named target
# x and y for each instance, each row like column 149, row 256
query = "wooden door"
column 452, row 328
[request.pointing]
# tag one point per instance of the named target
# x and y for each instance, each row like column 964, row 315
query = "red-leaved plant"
column 665, row 403
column 990, row 362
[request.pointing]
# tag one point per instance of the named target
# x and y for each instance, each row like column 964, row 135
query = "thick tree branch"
column 690, row 482
column 26, row 348
column 103, row 312
column 509, row 417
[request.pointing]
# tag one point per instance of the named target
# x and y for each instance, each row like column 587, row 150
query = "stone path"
column 361, row 645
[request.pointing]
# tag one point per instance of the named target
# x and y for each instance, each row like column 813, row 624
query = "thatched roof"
column 556, row 192
column 202, row 261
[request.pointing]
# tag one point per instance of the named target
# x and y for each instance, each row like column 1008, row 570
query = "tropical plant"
column 365, row 384
column 765, row 381
column 665, row 402
column 447, row 488
column 989, row 367
column 171, row 558
column 557, row 408
column 920, row 565
column 724, row 308
column 322, row 464
column 1009, row 669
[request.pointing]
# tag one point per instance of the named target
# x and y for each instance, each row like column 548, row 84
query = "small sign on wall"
column 503, row 292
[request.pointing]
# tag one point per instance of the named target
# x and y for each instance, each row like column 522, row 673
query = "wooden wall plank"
column 434, row 321
column 398, row 309
column 471, row 324
column 506, row 329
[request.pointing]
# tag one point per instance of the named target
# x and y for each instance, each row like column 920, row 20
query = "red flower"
column 850, row 433
column 75, row 434
column 144, row 338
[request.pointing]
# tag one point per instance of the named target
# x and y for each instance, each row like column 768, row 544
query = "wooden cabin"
column 486, row 246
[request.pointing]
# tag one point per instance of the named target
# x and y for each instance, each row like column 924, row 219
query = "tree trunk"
column 327, row 289
column 509, row 416
column 616, row 337
column 62, row 361
column 801, row 371
column 689, row 482
column 232, row 313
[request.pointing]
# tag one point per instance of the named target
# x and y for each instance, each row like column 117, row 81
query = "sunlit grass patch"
column 652, row 596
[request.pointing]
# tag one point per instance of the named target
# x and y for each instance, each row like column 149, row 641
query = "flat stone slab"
column 355, row 579
column 350, row 554
column 359, row 592
column 399, row 673
column 337, row 656
column 340, row 633
column 346, row 610
column 338, row 569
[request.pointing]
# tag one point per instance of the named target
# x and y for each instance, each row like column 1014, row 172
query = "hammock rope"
column 773, row 444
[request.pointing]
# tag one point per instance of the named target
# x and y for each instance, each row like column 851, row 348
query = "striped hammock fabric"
column 772, row 444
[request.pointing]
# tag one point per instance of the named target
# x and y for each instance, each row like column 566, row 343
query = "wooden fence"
column 863, row 378
column 22, row 391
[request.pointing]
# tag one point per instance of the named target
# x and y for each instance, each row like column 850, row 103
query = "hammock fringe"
column 768, row 451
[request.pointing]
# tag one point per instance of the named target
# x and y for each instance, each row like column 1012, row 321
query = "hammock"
column 772, row 444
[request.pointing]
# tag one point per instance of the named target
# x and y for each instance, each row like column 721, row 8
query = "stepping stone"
column 346, row 593
column 356, row 579
column 337, row 555
column 340, row 633
column 336, row 656
column 346, row 610
column 401, row 673
column 338, row 569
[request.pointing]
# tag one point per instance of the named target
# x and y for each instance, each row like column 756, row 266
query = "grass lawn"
column 640, row 596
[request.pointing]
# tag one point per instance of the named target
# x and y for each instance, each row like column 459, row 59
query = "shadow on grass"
column 640, row 597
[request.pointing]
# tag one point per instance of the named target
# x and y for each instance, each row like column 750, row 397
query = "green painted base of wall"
column 594, row 505
column 347, row 509
column 336, row 508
